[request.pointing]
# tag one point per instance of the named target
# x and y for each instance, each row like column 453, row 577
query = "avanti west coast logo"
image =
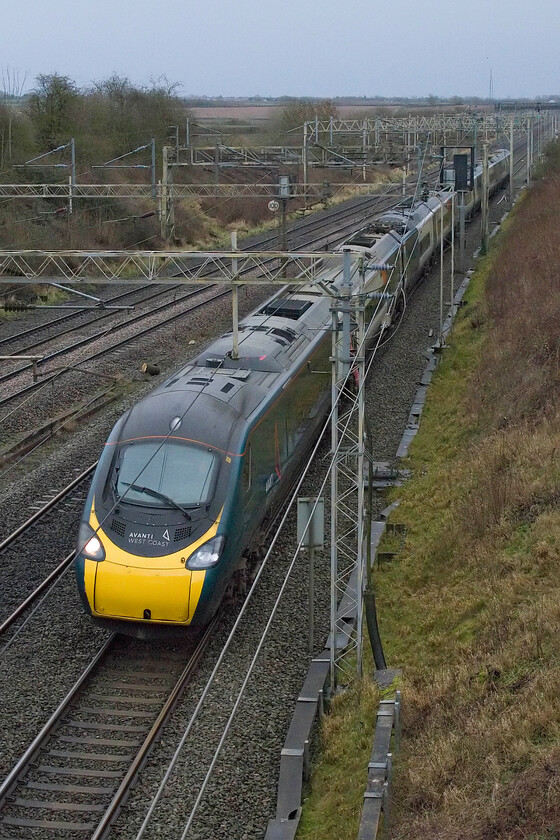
column 149, row 538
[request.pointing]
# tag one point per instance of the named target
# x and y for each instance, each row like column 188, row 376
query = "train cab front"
column 149, row 547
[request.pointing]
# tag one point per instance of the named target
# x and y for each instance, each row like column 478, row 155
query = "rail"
column 377, row 795
column 46, row 507
column 294, row 761
column 151, row 738
column 38, row 743
column 81, row 699
column 56, row 573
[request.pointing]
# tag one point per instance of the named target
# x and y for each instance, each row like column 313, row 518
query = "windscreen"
column 181, row 472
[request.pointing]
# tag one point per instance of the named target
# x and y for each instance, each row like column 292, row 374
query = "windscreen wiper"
column 156, row 493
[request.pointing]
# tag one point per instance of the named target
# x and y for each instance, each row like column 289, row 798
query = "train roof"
column 215, row 393
column 385, row 230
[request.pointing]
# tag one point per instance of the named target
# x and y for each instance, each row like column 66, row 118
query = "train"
column 191, row 475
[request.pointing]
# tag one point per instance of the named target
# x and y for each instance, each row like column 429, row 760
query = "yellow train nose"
column 134, row 593
column 134, row 588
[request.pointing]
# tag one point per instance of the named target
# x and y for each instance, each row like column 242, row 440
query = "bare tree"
column 51, row 108
column 298, row 111
column 12, row 89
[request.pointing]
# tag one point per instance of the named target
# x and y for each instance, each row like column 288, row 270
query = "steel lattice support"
column 348, row 371
column 326, row 143
column 163, row 267
column 433, row 124
column 174, row 192
column 347, row 486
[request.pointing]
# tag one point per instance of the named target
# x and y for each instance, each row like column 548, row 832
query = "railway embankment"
column 470, row 607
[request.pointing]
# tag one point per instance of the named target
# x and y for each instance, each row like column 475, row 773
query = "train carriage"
column 190, row 475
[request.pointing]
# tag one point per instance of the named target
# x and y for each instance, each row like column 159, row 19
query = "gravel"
column 38, row 668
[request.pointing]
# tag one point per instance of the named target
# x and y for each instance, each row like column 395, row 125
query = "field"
column 260, row 115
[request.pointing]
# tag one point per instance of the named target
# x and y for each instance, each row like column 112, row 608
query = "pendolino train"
column 190, row 474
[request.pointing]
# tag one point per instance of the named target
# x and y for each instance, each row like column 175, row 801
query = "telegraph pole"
column 153, row 167
column 348, row 508
column 305, row 163
column 235, row 299
column 452, row 289
column 343, row 508
column 528, row 153
column 72, row 180
column 361, row 530
column 164, row 194
column 441, row 210
column 484, row 201
column 511, row 162
column 461, row 230
column 167, row 214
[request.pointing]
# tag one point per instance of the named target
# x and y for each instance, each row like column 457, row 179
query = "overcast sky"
column 291, row 47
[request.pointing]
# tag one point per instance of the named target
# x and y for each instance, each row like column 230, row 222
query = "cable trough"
column 26, row 832
column 294, row 759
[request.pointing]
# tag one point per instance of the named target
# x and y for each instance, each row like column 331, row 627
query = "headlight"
column 89, row 544
column 207, row 555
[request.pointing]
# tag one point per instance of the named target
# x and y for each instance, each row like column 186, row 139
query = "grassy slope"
column 471, row 609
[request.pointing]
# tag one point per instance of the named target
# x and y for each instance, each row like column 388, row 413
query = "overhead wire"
column 169, row 434
column 240, row 616
column 244, row 606
column 238, row 620
column 213, row 373
column 286, row 578
column 249, row 596
column 154, row 454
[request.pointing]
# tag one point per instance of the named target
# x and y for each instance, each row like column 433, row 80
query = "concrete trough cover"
column 427, row 377
column 315, row 679
column 406, row 440
column 383, row 475
column 421, row 394
column 281, row 829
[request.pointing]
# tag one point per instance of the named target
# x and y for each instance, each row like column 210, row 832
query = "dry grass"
column 524, row 307
column 471, row 609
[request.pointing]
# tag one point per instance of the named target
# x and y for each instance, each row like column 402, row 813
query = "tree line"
column 107, row 119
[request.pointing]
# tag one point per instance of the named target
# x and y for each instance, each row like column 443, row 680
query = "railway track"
column 101, row 334
column 299, row 233
column 239, row 766
column 99, row 313
column 60, row 565
column 57, row 566
column 301, row 229
column 76, row 774
column 135, row 327
column 32, row 541
column 332, row 228
column 23, row 392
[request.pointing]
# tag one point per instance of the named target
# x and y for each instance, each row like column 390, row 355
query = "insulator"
column 381, row 295
column 15, row 306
